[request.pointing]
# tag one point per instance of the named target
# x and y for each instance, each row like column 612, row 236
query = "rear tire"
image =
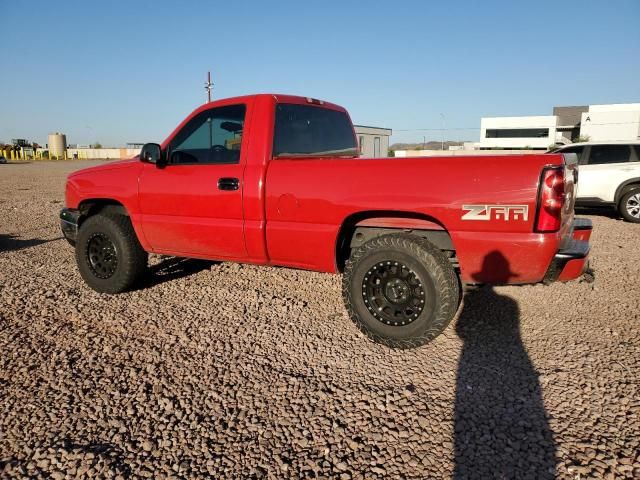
column 108, row 253
column 629, row 206
column 400, row 290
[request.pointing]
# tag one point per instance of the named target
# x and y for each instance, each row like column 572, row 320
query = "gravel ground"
column 234, row 371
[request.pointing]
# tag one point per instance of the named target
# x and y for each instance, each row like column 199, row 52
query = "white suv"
column 609, row 174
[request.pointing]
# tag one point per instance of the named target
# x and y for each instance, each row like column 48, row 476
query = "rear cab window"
column 312, row 131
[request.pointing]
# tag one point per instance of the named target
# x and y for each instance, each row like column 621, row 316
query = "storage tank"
column 57, row 144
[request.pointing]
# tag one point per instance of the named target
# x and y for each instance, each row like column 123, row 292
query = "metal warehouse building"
column 373, row 141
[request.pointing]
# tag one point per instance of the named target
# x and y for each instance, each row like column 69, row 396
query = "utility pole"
column 442, row 144
column 208, row 86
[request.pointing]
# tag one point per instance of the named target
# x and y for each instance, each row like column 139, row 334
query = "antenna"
column 208, row 86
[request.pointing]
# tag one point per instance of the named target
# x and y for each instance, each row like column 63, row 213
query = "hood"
column 120, row 164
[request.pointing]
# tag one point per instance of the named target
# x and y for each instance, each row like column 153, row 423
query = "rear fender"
column 356, row 231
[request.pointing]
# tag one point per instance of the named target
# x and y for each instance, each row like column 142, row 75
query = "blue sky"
column 118, row 72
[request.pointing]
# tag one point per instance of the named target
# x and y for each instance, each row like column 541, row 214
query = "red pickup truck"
column 277, row 180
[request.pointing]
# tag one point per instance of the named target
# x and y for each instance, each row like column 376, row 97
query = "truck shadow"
column 501, row 426
column 173, row 268
column 9, row 243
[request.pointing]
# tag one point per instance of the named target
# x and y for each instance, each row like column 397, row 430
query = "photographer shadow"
column 501, row 426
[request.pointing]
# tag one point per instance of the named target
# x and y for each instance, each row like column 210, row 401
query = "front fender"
column 72, row 194
column 115, row 184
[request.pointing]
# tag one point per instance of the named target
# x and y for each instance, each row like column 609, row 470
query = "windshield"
column 307, row 131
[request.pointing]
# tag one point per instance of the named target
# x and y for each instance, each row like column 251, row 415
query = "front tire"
column 629, row 206
column 108, row 253
column 400, row 290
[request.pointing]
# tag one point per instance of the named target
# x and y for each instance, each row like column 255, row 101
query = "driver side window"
column 212, row 136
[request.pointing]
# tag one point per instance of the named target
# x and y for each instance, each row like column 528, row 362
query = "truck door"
column 193, row 205
column 607, row 167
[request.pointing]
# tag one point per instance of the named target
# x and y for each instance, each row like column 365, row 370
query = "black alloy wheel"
column 108, row 253
column 400, row 290
column 393, row 293
column 102, row 256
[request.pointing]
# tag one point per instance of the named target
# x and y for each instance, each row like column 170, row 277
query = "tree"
column 97, row 145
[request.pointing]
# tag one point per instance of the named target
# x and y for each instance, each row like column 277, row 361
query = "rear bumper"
column 69, row 223
column 582, row 228
column 571, row 261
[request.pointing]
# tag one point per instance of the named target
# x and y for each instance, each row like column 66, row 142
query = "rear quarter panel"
column 308, row 200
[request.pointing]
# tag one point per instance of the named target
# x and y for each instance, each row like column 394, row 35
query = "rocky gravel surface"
column 233, row 371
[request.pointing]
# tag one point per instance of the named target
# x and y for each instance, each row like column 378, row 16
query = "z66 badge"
column 497, row 212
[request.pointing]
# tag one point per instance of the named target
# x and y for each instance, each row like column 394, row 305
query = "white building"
column 566, row 125
column 603, row 123
column 518, row 132
column 373, row 141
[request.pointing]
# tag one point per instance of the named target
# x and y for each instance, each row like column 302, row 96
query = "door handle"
column 228, row 183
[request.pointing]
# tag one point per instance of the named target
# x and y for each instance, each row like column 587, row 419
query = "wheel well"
column 625, row 187
column 92, row 207
column 363, row 226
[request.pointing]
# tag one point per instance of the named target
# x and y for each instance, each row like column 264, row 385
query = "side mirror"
column 152, row 153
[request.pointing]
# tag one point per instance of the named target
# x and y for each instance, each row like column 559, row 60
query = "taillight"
column 551, row 200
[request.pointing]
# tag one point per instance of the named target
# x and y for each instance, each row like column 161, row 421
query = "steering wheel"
column 219, row 148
